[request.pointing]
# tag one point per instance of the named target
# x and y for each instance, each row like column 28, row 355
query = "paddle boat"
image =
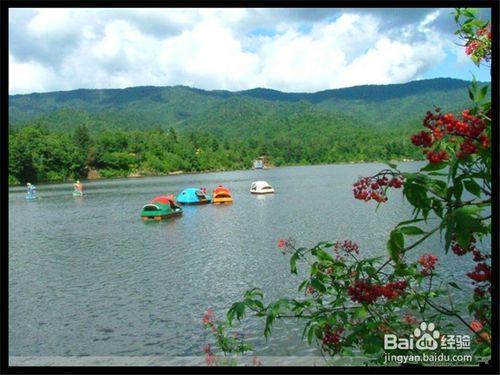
column 161, row 207
column 193, row 196
column 261, row 187
column 77, row 193
column 31, row 196
column 222, row 195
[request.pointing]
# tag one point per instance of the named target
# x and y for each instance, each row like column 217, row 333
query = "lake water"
column 88, row 277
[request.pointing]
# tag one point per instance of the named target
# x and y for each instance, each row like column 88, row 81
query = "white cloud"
column 28, row 76
column 215, row 49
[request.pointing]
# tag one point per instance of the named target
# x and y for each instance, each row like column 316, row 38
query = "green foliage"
column 158, row 130
column 350, row 303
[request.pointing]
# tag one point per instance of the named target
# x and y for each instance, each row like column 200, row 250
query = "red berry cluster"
column 470, row 128
column 482, row 272
column 428, row 263
column 363, row 291
column 459, row 250
column 332, row 337
column 375, row 187
column 437, row 156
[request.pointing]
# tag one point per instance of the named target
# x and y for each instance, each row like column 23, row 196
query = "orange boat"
column 222, row 195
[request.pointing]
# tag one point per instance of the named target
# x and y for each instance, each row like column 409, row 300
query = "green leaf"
column 434, row 166
column 464, row 222
column 482, row 93
column 416, row 195
column 437, row 206
column 472, row 187
column 409, row 222
column 458, row 188
column 454, row 285
column 318, row 285
column 411, row 230
column 293, row 263
column 321, row 254
column 311, row 334
column 303, row 284
column 395, row 245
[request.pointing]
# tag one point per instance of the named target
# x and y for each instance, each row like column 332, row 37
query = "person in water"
column 78, row 186
column 31, row 189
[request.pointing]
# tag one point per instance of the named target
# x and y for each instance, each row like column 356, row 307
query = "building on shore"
column 261, row 163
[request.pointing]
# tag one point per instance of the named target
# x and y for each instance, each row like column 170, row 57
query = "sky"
column 287, row 49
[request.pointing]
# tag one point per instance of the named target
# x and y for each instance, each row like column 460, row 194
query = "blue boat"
column 193, row 196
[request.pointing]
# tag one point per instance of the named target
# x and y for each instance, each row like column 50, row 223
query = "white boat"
column 261, row 187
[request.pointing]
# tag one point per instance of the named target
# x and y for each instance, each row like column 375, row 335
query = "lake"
column 88, row 277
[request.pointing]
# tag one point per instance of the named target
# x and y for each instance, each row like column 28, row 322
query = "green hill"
column 148, row 130
column 179, row 106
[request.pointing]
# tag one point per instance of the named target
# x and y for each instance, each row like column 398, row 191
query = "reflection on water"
column 88, row 277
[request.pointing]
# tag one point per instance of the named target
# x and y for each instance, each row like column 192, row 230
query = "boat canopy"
column 151, row 207
column 259, row 185
column 165, row 199
column 221, row 190
column 192, row 195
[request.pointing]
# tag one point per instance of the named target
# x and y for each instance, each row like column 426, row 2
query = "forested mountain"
column 149, row 130
column 179, row 106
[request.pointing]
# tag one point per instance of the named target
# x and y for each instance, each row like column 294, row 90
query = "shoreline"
column 178, row 173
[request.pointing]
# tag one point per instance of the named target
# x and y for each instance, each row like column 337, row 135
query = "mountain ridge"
column 143, row 107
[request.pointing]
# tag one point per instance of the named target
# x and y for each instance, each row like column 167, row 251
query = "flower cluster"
column 469, row 128
column 375, row 187
column 344, row 247
column 285, row 245
column 428, row 263
column 208, row 319
column 332, row 337
column 209, row 356
column 256, row 361
column 363, row 291
column 479, row 45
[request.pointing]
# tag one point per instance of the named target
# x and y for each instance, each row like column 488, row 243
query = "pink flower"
column 256, row 361
column 208, row 316
column 409, row 318
column 282, row 243
column 476, row 326
column 209, row 359
column 428, row 262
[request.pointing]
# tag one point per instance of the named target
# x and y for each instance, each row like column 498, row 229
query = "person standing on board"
column 78, row 186
column 31, row 190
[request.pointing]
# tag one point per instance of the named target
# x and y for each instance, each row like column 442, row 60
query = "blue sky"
column 294, row 50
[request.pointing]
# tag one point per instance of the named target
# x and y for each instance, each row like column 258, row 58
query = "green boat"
column 162, row 207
